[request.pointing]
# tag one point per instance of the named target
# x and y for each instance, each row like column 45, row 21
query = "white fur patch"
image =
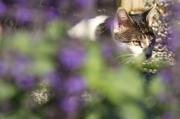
column 86, row 28
column 136, row 50
column 147, row 41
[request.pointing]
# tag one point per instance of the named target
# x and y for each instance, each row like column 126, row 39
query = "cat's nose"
column 148, row 55
column 147, row 52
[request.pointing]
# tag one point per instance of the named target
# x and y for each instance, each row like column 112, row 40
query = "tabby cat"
column 131, row 32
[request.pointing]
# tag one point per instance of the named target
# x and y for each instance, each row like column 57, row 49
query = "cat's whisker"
column 125, row 55
column 130, row 60
column 127, row 60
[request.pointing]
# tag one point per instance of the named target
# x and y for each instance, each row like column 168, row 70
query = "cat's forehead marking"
column 147, row 40
column 120, row 30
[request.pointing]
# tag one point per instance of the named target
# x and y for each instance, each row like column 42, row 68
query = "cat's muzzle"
column 148, row 56
column 147, row 52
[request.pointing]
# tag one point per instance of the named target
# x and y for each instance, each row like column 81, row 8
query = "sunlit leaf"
column 92, row 116
column 94, row 66
column 119, row 86
column 131, row 110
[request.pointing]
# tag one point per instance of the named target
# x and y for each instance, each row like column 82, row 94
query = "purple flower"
column 83, row 3
column 3, row 67
column 107, row 50
column 75, row 85
column 2, row 8
column 23, row 14
column 165, row 75
column 50, row 14
column 71, row 58
column 18, row 69
column 20, row 65
column 69, row 104
column 53, row 79
column 22, row 2
column 25, row 81
column 175, row 37
column 167, row 115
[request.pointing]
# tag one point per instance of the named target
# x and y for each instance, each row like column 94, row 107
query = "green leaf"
column 156, row 86
column 131, row 110
column 130, row 83
column 120, row 85
column 22, row 42
column 55, row 30
column 41, row 66
column 43, row 49
column 93, row 116
column 21, row 114
column 6, row 91
column 94, row 66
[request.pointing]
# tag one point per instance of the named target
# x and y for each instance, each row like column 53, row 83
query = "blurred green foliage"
column 120, row 93
column 6, row 91
column 124, row 94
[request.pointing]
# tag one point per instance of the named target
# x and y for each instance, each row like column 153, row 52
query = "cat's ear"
column 122, row 17
column 148, row 15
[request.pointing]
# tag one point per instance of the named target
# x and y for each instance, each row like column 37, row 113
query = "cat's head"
column 133, row 32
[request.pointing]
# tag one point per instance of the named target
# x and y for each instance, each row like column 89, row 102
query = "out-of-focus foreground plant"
column 83, row 81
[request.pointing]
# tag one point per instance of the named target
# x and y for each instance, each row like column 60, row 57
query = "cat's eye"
column 136, row 43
